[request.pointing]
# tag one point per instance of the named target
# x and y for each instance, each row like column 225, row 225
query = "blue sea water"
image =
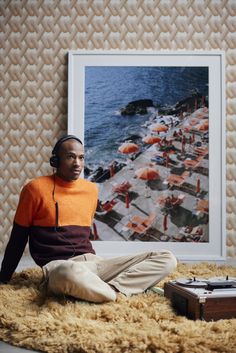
column 108, row 89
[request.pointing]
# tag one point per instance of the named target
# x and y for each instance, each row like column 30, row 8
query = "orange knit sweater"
column 36, row 221
column 77, row 202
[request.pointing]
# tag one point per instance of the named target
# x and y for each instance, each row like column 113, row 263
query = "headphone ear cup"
column 54, row 161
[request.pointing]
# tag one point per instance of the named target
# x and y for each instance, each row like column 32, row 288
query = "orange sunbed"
column 177, row 180
column 141, row 225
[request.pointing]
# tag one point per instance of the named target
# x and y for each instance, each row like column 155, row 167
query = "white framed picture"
column 153, row 126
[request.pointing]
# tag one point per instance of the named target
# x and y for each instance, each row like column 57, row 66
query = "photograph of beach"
column 146, row 141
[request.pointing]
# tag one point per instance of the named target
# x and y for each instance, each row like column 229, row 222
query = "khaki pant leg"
column 87, row 257
column 79, row 280
column 134, row 274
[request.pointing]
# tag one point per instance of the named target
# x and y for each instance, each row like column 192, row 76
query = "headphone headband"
column 54, row 160
column 63, row 139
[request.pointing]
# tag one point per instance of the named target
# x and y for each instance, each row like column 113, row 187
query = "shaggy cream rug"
column 142, row 323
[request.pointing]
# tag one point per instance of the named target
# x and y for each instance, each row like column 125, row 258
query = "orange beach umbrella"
column 193, row 121
column 128, row 147
column 151, row 139
column 147, row 173
column 159, row 128
column 203, row 126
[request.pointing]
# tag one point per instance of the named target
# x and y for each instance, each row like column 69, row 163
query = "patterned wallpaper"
column 35, row 38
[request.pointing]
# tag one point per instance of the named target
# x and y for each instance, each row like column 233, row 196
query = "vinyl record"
column 190, row 282
column 221, row 282
column 220, row 279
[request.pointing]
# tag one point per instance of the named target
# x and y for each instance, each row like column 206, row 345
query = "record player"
column 203, row 299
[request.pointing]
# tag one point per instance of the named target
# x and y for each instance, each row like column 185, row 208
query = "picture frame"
column 82, row 63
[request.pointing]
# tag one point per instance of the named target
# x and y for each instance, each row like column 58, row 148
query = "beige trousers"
column 92, row 278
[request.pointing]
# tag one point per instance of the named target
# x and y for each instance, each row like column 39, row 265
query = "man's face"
column 71, row 154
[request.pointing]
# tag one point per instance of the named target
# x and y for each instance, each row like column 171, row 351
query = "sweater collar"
column 67, row 184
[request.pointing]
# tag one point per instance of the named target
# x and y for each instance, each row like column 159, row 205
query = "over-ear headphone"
column 55, row 159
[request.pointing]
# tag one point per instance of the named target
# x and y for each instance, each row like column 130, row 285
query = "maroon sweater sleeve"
column 14, row 251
